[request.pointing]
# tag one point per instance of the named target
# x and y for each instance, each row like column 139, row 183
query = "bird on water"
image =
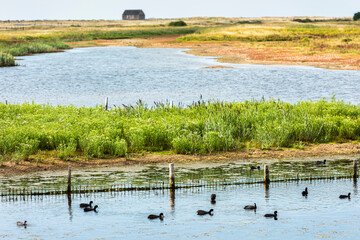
column 321, row 162
column 345, row 196
column 84, row 205
column 254, row 168
column 19, row 223
column 213, row 198
column 250, row 207
column 89, row 209
column 305, row 193
column 202, row 212
column 270, row 215
column 153, row 216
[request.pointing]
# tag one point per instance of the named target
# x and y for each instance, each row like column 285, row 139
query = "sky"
column 113, row 9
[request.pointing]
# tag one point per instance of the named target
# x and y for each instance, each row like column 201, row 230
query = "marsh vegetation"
column 201, row 128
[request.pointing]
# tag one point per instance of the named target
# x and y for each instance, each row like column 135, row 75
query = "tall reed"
column 200, row 128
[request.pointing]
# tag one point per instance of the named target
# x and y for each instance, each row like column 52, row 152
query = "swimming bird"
column 202, row 212
column 88, row 209
column 152, row 216
column 253, row 168
column 22, row 223
column 213, row 198
column 270, row 215
column 321, row 162
column 84, row 205
column 305, row 193
column 250, row 207
column 345, row 196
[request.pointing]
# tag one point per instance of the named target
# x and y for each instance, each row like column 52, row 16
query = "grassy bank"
column 33, row 38
column 290, row 40
column 68, row 131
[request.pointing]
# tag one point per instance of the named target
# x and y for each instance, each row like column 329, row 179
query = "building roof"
column 133, row 12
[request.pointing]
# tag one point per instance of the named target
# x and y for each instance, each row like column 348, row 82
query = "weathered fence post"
column 355, row 170
column 69, row 181
column 171, row 176
column 106, row 103
column 266, row 174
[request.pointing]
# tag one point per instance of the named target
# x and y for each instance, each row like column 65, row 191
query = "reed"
column 200, row 128
column 6, row 60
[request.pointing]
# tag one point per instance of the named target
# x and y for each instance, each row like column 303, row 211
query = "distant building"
column 137, row 14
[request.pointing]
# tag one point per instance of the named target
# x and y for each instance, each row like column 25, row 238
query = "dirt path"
column 309, row 152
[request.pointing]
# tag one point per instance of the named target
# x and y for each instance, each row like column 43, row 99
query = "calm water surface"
column 322, row 215
column 85, row 76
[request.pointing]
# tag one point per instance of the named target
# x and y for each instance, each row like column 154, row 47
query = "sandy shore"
column 311, row 152
column 238, row 52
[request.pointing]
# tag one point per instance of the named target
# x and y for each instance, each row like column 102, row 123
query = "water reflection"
column 86, row 76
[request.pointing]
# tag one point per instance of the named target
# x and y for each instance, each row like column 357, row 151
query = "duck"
column 202, row 212
column 305, row 193
column 160, row 216
column 19, row 223
column 88, row 209
column 254, row 168
column 270, row 215
column 321, row 162
column 213, row 198
column 84, row 205
column 250, row 207
column 345, row 196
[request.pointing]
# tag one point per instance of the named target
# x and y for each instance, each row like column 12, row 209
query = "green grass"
column 200, row 128
column 6, row 59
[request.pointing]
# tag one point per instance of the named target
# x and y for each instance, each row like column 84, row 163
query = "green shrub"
column 25, row 149
column 356, row 16
column 187, row 144
column 118, row 148
column 6, row 60
column 214, row 141
column 177, row 24
column 67, row 150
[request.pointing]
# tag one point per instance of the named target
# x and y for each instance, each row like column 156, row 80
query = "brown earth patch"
column 212, row 67
column 310, row 151
column 239, row 52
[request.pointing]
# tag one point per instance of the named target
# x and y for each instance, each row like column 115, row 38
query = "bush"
column 177, row 24
column 6, row 60
column 188, row 144
column 356, row 16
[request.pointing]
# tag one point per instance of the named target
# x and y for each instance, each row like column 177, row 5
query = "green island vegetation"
column 201, row 128
column 178, row 23
column 356, row 16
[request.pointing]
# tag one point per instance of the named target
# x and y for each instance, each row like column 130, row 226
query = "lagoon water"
column 85, row 76
column 322, row 215
column 123, row 215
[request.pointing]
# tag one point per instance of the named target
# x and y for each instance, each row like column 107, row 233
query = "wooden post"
column 106, row 103
column 266, row 174
column 355, row 170
column 69, row 181
column 6, row 102
column 171, row 176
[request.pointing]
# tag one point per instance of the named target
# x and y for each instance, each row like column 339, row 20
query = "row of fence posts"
column 172, row 184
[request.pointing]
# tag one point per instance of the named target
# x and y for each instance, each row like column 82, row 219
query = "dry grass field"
column 321, row 42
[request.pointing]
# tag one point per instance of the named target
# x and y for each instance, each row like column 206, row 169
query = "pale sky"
column 113, row 9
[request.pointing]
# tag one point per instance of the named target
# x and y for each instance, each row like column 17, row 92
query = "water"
column 85, row 76
column 143, row 175
column 124, row 216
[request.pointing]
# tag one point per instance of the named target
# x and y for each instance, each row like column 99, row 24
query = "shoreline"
column 309, row 153
column 231, row 52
